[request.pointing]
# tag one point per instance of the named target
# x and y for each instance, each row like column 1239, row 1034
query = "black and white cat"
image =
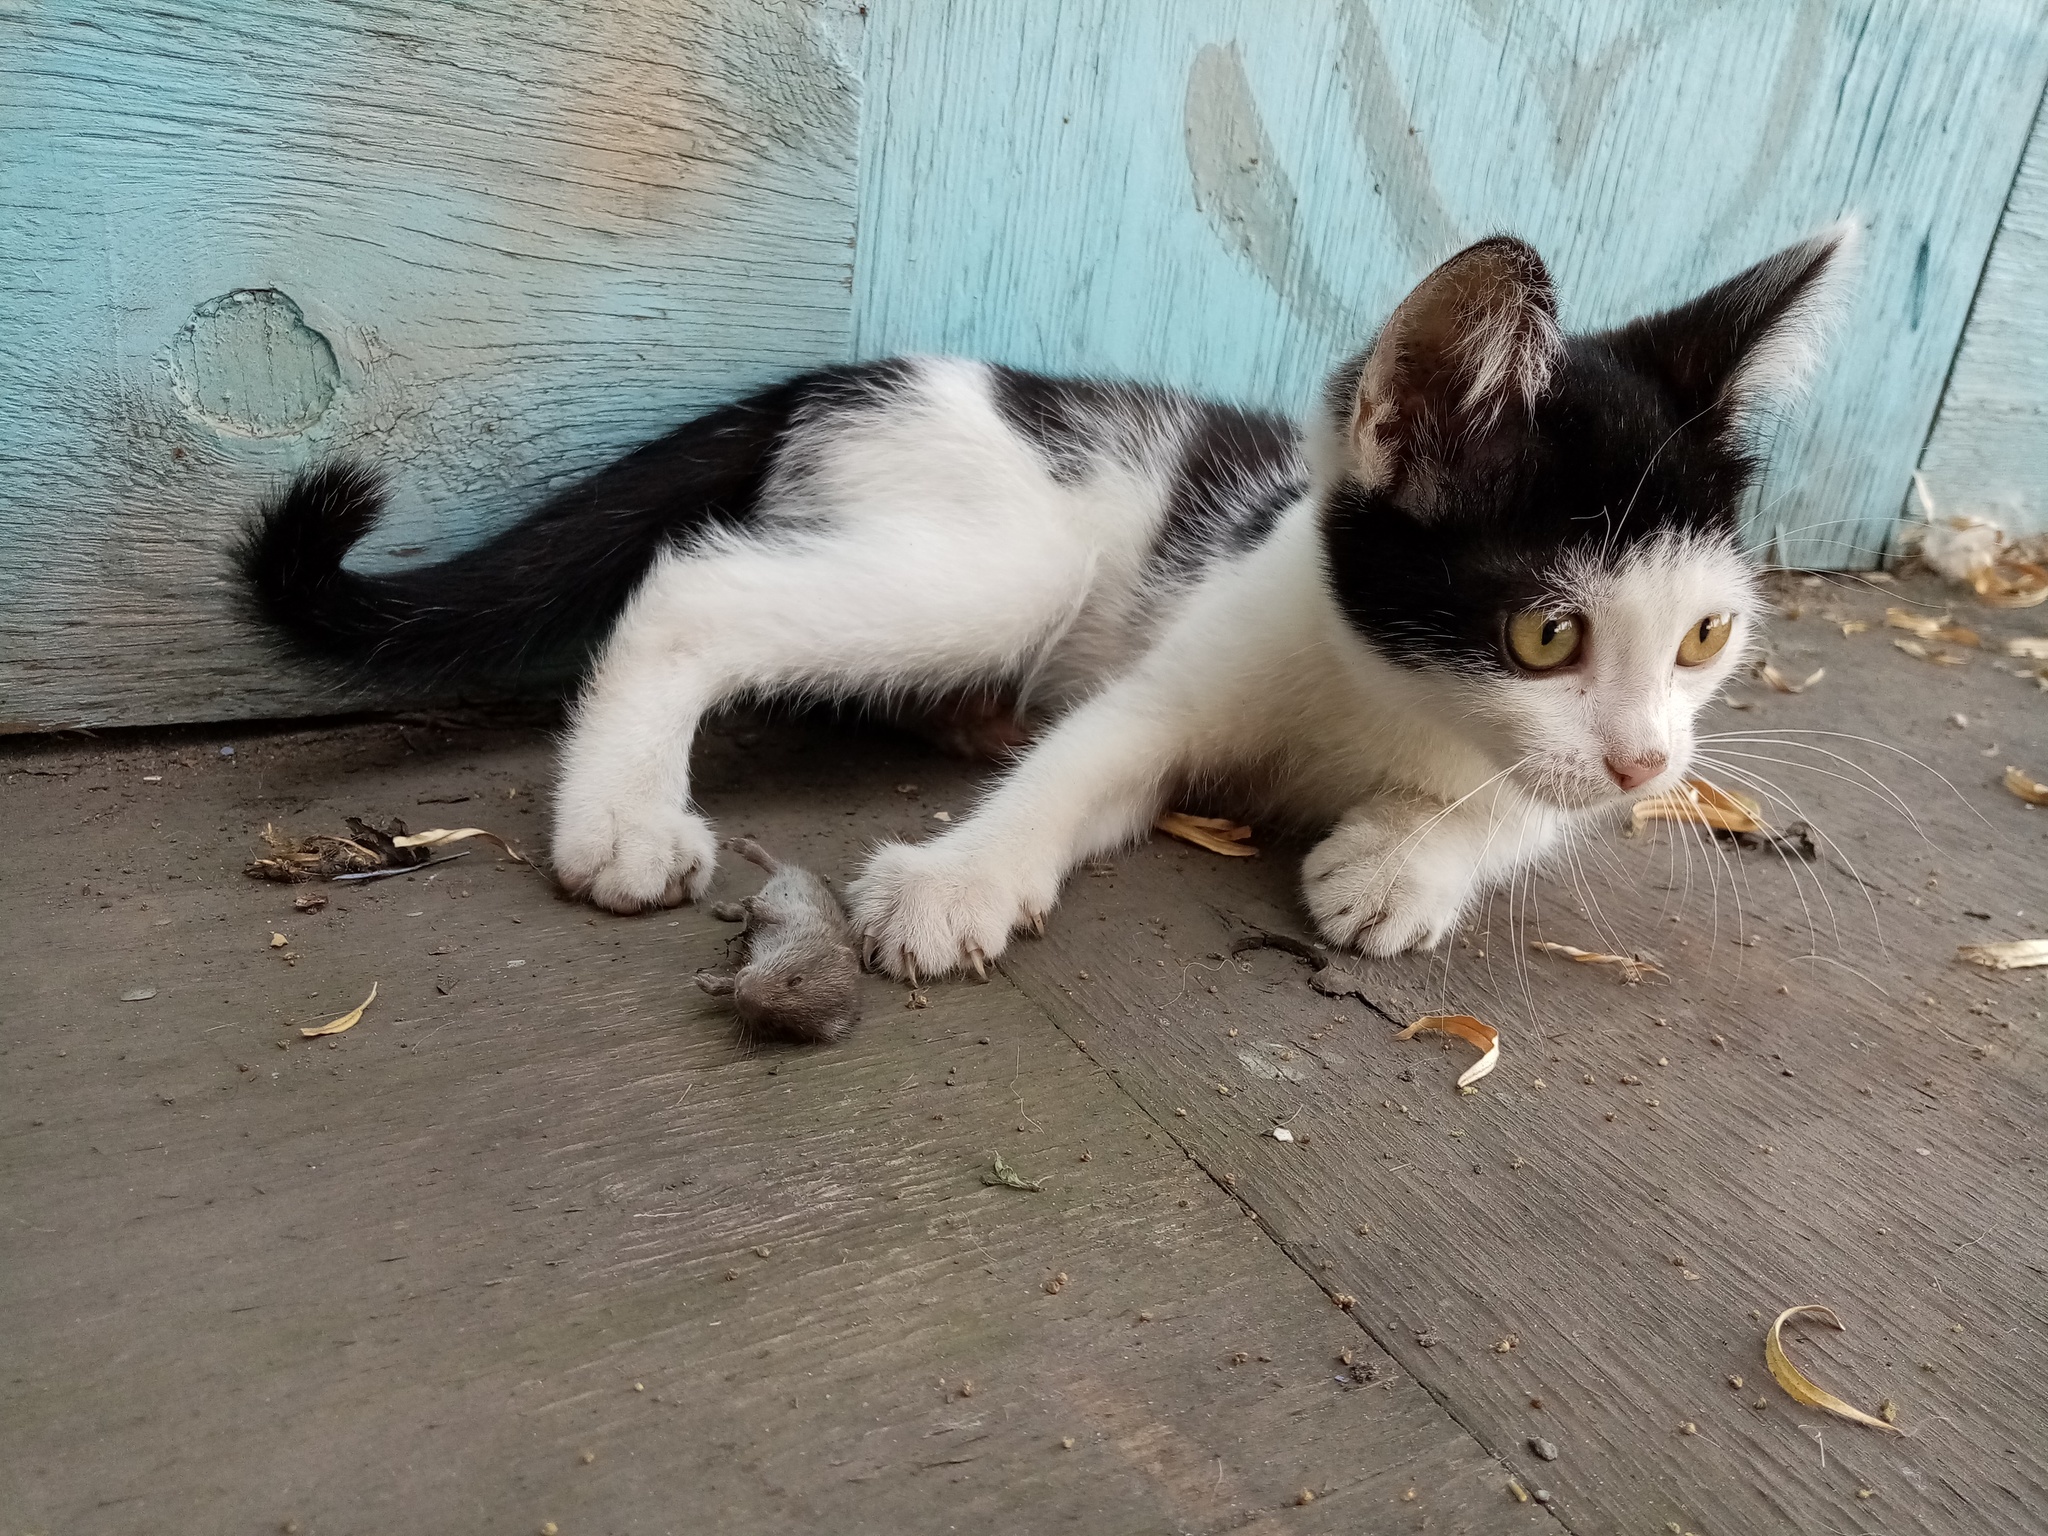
column 1477, row 603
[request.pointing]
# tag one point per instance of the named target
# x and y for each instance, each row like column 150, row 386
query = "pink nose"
column 1635, row 772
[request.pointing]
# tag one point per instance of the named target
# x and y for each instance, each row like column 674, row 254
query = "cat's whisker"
column 1869, row 782
column 1869, row 741
column 1774, row 792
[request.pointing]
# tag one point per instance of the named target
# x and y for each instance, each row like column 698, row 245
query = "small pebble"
column 1306, row 1496
column 1735, row 1382
column 1544, row 1495
column 1066, row 1442
column 549, row 1528
column 587, row 1457
column 1542, row 1449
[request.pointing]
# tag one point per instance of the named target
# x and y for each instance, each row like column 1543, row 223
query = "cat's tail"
column 539, row 593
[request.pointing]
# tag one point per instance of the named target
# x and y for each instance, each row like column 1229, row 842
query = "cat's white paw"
column 1384, row 890
column 929, row 909
column 631, row 860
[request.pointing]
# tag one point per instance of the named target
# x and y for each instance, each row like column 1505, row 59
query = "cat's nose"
column 1635, row 772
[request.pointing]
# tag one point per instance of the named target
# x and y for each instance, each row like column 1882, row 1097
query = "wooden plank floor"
column 413, row 1278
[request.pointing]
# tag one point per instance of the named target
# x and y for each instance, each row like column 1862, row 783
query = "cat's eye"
column 1545, row 641
column 1705, row 640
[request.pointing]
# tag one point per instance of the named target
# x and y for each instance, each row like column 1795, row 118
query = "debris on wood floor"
column 2012, row 955
column 1784, row 684
column 369, row 853
column 1010, row 1178
column 1218, row 834
column 2026, row 786
column 1800, row 1387
column 346, row 1022
column 1633, row 968
column 1484, row 1037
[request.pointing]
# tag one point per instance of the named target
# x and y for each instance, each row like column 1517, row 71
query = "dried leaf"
column 2011, row 583
column 2027, row 787
column 2012, row 955
column 347, row 1021
column 2033, row 647
column 278, row 941
column 1704, row 804
column 325, row 856
column 1926, row 626
column 434, row 837
column 1939, row 658
column 1010, row 1178
column 1484, row 1037
column 1799, row 1386
column 1633, row 967
column 1854, row 627
column 1218, row 834
column 1784, row 684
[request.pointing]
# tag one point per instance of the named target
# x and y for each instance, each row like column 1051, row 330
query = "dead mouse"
column 798, row 976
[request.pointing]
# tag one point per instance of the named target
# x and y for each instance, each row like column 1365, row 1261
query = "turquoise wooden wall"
column 485, row 244
column 1989, row 451
column 489, row 244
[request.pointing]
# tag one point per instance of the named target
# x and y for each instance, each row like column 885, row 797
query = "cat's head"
column 1544, row 527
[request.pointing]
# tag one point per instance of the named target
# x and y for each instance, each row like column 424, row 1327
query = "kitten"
column 1480, row 601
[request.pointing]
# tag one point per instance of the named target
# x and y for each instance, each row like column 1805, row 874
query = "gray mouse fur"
column 798, row 976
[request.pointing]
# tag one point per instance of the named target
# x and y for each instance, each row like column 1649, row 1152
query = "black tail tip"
column 291, row 550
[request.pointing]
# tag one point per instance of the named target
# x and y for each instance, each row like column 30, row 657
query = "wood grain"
column 525, row 239
column 1989, row 449
column 1230, row 197
column 539, row 1206
column 1822, row 1105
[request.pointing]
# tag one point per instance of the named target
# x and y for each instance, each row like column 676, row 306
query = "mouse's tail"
column 542, row 591
column 753, row 853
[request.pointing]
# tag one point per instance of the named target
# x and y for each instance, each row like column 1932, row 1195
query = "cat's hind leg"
column 836, row 614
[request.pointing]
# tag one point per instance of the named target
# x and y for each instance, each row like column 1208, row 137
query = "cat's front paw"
column 928, row 909
column 631, row 860
column 1374, row 889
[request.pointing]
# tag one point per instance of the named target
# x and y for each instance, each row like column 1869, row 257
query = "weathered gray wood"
column 407, row 1280
column 483, row 247
column 1769, row 1109
column 1989, row 449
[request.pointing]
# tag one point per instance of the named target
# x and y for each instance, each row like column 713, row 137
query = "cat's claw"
column 930, row 909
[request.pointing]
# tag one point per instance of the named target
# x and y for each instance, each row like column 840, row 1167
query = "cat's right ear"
column 1474, row 344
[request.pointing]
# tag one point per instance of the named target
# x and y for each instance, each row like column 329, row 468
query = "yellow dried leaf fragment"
column 347, row 1021
column 1800, row 1387
column 1218, row 834
column 1927, row 653
column 2010, row 583
column 2011, row 955
column 1784, row 684
column 434, row 837
column 1482, row 1036
column 2026, row 786
column 278, row 941
column 1703, row 804
column 1633, row 967
column 1927, row 627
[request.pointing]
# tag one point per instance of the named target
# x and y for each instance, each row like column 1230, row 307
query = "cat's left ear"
column 1750, row 345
